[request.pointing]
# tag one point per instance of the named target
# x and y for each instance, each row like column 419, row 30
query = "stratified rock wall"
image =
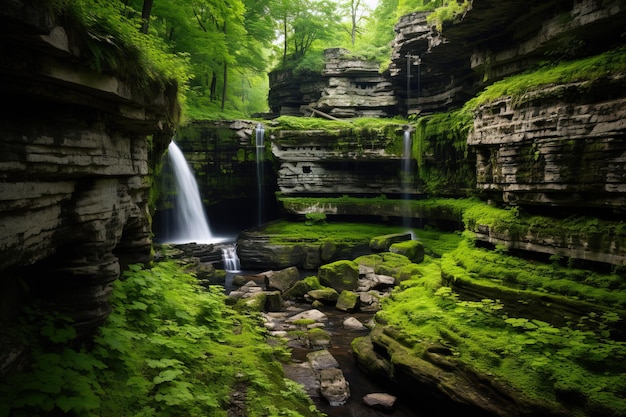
column 348, row 86
column 492, row 40
column 74, row 165
column 555, row 147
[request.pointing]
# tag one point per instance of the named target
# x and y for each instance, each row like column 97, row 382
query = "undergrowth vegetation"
column 169, row 348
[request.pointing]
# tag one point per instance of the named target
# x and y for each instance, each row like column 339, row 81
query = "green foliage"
column 448, row 13
column 113, row 43
column 169, row 348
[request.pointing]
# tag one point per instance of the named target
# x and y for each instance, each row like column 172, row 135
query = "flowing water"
column 406, row 176
column 260, row 175
column 189, row 219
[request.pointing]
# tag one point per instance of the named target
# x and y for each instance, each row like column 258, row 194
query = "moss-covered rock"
column 340, row 275
column 383, row 243
column 412, row 249
column 327, row 296
column 348, row 301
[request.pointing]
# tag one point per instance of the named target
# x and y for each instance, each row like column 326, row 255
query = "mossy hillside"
column 468, row 265
column 448, row 209
column 511, row 223
column 169, row 347
column 335, row 233
column 578, row 367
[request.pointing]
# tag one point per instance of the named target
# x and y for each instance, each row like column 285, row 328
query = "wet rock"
column 352, row 323
column 313, row 314
column 322, row 359
column 380, row 401
column 273, row 301
column 334, row 387
column 318, row 338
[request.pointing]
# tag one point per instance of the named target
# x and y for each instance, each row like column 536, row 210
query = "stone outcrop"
column 348, row 86
column 74, row 165
column 316, row 162
column 564, row 146
column 355, row 88
column 492, row 40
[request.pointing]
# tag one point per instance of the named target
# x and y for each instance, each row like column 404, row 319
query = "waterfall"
column 190, row 221
column 260, row 150
column 406, row 177
column 230, row 259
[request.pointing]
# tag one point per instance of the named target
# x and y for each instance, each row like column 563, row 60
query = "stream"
column 360, row 383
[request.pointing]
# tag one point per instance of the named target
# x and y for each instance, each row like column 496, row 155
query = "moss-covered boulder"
column 318, row 338
column 340, row 275
column 327, row 296
column 300, row 288
column 348, row 301
column 412, row 249
column 384, row 242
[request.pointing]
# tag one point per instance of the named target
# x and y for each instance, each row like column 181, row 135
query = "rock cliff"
column 74, row 165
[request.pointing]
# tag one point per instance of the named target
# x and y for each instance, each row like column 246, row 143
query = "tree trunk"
column 145, row 15
column 224, row 86
column 213, row 88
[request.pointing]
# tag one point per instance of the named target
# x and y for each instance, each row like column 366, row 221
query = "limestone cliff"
column 74, row 165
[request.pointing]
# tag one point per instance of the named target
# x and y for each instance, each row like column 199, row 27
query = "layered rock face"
column 493, row 40
column 555, row 147
column 74, row 167
column 329, row 163
column 346, row 87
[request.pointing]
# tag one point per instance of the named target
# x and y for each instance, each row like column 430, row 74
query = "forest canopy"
column 220, row 51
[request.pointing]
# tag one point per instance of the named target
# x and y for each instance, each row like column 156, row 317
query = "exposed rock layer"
column 74, row 168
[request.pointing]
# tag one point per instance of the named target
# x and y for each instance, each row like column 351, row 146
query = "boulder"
column 318, row 338
column 348, row 301
column 340, row 275
column 282, row 280
column 334, row 387
column 327, row 296
column 384, row 242
column 380, row 401
column 352, row 323
column 322, row 359
column 273, row 301
column 313, row 314
column 412, row 249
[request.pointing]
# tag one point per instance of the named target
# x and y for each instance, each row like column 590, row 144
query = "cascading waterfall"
column 190, row 222
column 230, row 258
column 260, row 150
column 406, row 176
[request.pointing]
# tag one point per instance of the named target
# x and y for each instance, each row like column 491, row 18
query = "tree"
column 356, row 11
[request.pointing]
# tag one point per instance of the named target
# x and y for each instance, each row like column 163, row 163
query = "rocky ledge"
column 74, row 169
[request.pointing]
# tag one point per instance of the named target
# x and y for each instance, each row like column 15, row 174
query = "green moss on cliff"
column 609, row 66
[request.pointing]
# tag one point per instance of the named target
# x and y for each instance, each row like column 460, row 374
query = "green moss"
column 587, row 70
